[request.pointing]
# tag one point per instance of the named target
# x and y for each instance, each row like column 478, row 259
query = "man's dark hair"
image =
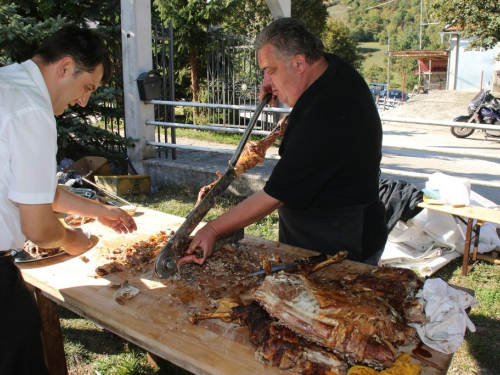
column 290, row 37
column 84, row 46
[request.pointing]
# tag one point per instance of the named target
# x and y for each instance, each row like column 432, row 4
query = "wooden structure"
column 432, row 67
column 157, row 318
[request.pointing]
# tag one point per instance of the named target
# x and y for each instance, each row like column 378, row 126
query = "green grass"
column 375, row 53
column 90, row 348
column 338, row 11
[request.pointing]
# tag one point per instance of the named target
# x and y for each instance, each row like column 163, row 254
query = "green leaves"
column 475, row 19
column 338, row 40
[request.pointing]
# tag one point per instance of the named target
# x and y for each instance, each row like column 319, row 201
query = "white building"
column 471, row 70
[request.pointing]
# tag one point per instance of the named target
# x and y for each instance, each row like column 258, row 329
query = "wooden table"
column 157, row 318
column 474, row 217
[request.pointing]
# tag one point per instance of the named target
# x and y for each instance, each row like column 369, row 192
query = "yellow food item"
column 402, row 366
column 362, row 370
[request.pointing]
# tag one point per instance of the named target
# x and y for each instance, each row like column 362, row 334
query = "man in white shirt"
column 65, row 70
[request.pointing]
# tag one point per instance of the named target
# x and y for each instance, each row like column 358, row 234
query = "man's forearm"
column 67, row 202
column 247, row 212
column 41, row 226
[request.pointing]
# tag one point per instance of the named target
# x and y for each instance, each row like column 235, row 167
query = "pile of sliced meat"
column 361, row 322
column 325, row 329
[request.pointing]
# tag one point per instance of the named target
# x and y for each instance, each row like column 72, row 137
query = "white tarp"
column 432, row 239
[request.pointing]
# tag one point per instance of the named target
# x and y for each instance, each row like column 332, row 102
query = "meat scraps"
column 37, row 252
column 133, row 257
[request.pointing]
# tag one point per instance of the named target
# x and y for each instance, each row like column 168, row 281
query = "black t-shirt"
column 331, row 150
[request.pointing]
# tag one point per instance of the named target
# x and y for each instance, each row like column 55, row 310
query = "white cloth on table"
column 432, row 239
column 447, row 319
column 28, row 146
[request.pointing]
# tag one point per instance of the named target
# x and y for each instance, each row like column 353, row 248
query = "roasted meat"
column 252, row 155
column 361, row 326
column 276, row 344
column 398, row 286
column 37, row 252
column 254, row 152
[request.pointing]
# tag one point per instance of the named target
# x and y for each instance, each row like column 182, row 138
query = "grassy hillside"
column 338, row 11
column 374, row 53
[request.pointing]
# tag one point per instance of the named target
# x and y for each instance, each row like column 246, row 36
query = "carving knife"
column 166, row 261
column 309, row 260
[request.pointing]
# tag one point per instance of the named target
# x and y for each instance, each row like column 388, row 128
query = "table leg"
column 477, row 229
column 155, row 360
column 465, row 264
column 51, row 335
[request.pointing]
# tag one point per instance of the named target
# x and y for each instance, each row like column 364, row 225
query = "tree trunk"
column 194, row 80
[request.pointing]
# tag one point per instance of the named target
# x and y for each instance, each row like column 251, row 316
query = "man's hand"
column 78, row 242
column 112, row 217
column 116, row 219
column 205, row 240
column 267, row 89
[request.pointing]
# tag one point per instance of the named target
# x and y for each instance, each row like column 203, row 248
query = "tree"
column 191, row 20
column 24, row 25
column 476, row 19
column 312, row 13
column 338, row 40
column 251, row 16
column 20, row 35
column 375, row 74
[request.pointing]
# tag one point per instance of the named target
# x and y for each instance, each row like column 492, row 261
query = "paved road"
column 436, row 105
column 434, row 139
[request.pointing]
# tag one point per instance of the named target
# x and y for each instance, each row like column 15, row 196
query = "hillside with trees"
column 394, row 24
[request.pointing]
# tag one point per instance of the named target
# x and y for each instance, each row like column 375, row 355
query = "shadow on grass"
column 480, row 352
column 368, row 50
column 92, row 342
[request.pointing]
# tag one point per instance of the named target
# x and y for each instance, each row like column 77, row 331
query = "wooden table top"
column 489, row 215
column 157, row 318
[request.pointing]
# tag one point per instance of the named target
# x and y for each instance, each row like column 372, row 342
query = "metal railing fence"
column 232, row 129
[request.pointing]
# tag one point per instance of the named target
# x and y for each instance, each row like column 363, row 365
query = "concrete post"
column 453, row 61
column 137, row 58
column 280, row 8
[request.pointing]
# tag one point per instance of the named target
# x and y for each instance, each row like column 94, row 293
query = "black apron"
column 21, row 348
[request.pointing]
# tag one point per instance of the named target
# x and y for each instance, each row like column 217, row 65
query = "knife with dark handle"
column 298, row 262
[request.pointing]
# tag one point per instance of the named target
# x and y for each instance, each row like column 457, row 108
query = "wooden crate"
column 125, row 185
column 89, row 166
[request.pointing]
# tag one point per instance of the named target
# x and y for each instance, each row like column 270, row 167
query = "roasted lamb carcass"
column 361, row 327
column 252, row 155
column 399, row 286
column 276, row 344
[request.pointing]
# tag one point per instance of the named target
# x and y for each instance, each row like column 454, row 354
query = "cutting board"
column 157, row 318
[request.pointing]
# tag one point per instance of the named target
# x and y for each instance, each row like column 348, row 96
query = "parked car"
column 376, row 88
column 394, row 95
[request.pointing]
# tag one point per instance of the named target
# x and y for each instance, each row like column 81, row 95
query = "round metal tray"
column 22, row 256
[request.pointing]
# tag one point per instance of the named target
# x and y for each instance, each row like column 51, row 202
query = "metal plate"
column 23, row 256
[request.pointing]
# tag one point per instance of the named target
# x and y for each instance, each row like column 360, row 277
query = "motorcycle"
column 483, row 109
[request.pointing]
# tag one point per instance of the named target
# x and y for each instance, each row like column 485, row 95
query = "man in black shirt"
column 326, row 183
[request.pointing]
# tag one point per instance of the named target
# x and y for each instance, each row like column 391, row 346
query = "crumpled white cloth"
column 446, row 317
